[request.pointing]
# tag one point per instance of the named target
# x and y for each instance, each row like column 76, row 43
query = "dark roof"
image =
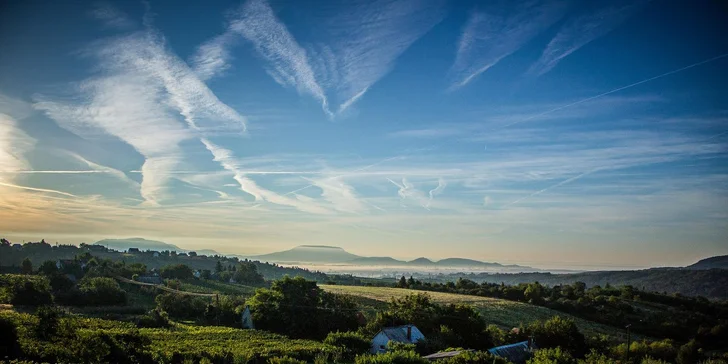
column 398, row 333
column 516, row 353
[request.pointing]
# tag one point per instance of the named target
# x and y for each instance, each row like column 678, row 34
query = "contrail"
column 37, row 189
column 619, row 89
column 346, row 174
column 569, row 180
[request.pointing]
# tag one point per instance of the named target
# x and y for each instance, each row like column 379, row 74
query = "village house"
column 517, row 353
column 407, row 334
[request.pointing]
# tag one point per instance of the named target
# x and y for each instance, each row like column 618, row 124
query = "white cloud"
column 353, row 49
column 494, row 33
column 339, row 194
column 14, row 144
column 581, row 30
column 111, row 16
column 441, row 184
column 141, row 90
column 247, row 185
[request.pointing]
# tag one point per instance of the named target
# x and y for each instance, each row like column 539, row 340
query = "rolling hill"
column 503, row 313
column 140, row 243
column 717, row 262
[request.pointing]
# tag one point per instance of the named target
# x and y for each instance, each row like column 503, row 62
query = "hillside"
column 376, row 261
column 711, row 283
column 505, row 314
column 422, row 261
column 140, row 243
column 718, row 262
column 462, row 262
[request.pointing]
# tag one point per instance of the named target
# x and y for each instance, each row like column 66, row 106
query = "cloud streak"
column 353, row 49
column 493, row 33
column 582, row 30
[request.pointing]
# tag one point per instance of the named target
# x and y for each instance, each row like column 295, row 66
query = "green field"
column 503, row 313
column 165, row 345
column 210, row 286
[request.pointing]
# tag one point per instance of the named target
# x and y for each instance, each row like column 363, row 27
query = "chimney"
column 409, row 333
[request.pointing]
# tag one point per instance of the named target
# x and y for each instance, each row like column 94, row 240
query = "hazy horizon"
column 554, row 134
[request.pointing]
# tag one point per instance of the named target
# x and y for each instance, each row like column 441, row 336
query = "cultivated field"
column 506, row 314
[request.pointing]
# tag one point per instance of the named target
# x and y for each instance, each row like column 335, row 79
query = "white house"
column 408, row 334
column 247, row 319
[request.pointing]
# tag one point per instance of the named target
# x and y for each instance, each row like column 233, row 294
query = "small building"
column 517, row 353
column 408, row 334
column 197, row 273
column 155, row 254
column 60, row 263
column 248, row 319
column 18, row 246
column 133, row 250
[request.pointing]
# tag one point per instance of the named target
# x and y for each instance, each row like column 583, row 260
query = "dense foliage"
column 299, row 308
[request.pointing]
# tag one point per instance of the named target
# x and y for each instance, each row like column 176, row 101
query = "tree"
column 300, row 309
column 218, row 267
column 688, row 353
column 26, row 266
column 247, row 273
column 351, row 343
column 558, row 332
column 402, row 282
column 176, row 271
column 206, row 274
column 552, row 356
column 48, row 267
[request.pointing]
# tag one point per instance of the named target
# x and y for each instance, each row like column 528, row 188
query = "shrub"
column 10, row 347
column 285, row 360
column 25, row 290
column 155, row 318
column 552, row 356
column 392, row 357
column 474, row 357
column 352, row 343
column 558, row 332
column 102, row 291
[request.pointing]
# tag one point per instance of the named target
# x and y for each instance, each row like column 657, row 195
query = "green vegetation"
column 503, row 313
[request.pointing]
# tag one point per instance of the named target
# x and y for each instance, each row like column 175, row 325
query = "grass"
column 503, row 313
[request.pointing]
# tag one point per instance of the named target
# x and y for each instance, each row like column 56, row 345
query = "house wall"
column 379, row 343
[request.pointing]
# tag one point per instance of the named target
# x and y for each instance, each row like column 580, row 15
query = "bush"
column 352, row 343
column 176, row 271
column 181, row 306
column 48, row 321
column 285, row 360
column 474, row 357
column 552, row 356
column 155, row 318
column 10, row 347
column 558, row 332
column 25, row 290
column 392, row 357
column 102, row 291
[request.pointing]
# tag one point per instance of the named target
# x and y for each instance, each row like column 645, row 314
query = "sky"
column 547, row 133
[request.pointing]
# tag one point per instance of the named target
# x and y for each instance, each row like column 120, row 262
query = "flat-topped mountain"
column 336, row 255
column 309, row 254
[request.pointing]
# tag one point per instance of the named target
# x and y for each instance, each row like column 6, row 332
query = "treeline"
column 711, row 283
column 12, row 257
column 648, row 313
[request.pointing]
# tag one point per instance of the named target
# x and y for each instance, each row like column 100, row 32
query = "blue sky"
column 549, row 133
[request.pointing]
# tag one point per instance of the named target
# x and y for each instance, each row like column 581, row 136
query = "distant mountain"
column 144, row 244
column 720, row 262
column 324, row 254
column 309, row 254
column 140, row 243
column 461, row 262
column 377, row 261
column 422, row 261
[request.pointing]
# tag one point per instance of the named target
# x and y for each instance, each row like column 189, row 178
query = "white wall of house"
column 379, row 343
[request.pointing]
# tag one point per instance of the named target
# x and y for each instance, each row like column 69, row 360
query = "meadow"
column 503, row 313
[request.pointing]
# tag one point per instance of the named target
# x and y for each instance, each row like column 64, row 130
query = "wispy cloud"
column 14, row 144
column 341, row 195
column 286, row 61
column 407, row 191
column 247, row 185
column 441, row 184
column 581, row 30
column 496, row 32
column 111, row 17
column 138, row 97
column 351, row 51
